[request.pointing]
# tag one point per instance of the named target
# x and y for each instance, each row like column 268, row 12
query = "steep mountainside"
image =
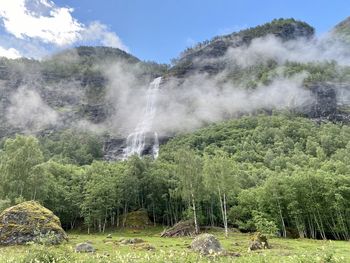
column 343, row 28
column 71, row 89
column 71, row 83
column 192, row 59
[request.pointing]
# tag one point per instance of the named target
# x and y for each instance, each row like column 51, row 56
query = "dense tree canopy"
column 280, row 174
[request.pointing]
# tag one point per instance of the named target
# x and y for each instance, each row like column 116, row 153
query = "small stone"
column 131, row 241
column 254, row 245
column 109, row 236
column 84, row 248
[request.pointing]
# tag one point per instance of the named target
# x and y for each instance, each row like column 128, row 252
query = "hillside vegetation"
column 284, row 29
column 254, row 136
column 277, row 174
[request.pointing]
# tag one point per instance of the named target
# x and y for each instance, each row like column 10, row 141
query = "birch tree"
column 189, row 170
column 219, row 179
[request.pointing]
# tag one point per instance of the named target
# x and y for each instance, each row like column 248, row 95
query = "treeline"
column 276, row 174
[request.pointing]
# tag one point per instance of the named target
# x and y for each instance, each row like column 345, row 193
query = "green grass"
column 176, row 250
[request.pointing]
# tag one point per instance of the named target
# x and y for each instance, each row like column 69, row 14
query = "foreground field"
column 175, row 250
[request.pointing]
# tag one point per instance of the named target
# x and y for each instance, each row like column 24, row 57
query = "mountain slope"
column 256, row 70
column 343, row 28
column 189, row 61
column 72, row 83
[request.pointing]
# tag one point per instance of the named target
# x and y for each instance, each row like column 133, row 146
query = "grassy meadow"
column 157, row 249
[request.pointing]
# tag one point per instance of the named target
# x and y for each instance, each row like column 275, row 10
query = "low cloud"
column 9, row 53
column 29, row 112
column 201, row 100
column 327, row 48
column 126, row 94
column 188, row 104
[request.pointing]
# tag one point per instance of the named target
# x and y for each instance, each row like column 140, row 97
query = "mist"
column 326, row 48
column 29, row 112
column 200, row 101
column 184, row 105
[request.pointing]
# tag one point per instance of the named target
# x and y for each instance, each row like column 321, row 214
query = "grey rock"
column 84, row 248
column 206, row 244
column 254, row 245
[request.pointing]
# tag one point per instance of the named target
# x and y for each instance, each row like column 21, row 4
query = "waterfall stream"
column 136, row 141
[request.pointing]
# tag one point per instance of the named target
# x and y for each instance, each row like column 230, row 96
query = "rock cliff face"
column 325, row 104
column 199, row 58
column 72, row 83
column 30, row 222
column 328, row 103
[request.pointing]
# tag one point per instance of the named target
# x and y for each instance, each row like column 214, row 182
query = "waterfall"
column 136, row 141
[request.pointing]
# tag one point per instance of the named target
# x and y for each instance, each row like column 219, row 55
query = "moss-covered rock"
column 258, row 241
column 137, row 219
column 30, row 222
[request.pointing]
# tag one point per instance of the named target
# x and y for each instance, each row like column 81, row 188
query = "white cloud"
column 9, row 53
column 97, row 30
column 43, row 24
column 57, row 27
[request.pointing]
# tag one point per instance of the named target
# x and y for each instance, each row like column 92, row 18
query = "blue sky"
column 150, row 29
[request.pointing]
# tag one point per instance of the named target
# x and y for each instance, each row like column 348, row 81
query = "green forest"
column 235, row 150
column 281, row 175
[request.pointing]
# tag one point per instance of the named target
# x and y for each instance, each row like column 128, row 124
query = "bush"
column 263, row 225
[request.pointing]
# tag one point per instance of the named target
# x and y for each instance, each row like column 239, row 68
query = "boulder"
column 258, row 241
column 84, row 248
column 30, row 222
column 182, row 228
column 138, row 219
column 206, row 244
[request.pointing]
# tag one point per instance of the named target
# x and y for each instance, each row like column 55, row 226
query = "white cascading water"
column 136, row 141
